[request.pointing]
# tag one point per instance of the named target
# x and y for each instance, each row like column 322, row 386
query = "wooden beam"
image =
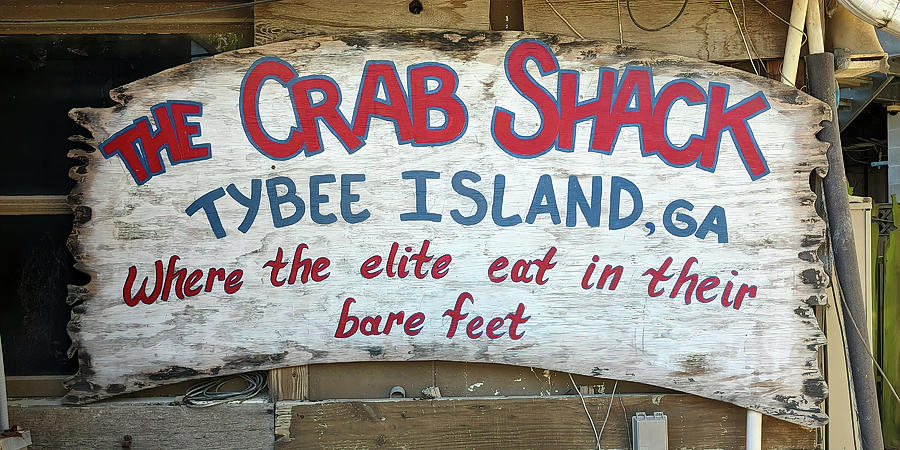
column 521, row 422
column 289, row 383
column 34, row 205
column 234, row 20
column 706, row 30
column 288, row 19
column 145, row 424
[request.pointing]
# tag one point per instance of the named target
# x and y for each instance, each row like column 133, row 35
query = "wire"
column 854, row 417
column 206, row 394
column 677, row 16
column 866, row 347
column 744, row 38
column 564, row 19
column 785, row 21
column 627, row 427
column 611, row 398
column 762, row 64
column 139, row 17
column 596, row 435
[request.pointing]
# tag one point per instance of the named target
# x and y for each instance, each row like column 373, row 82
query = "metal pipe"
column 820, row 79
column 754, row 430
column 4, row 412
column 793, row 43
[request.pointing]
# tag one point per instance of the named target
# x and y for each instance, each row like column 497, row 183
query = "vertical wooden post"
column 289, row 383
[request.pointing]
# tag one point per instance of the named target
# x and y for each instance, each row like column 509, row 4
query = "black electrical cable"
column 677, row 16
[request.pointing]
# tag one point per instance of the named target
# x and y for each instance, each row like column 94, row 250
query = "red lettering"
column 384, row 75
column 734, row 120
column 544, row 264
column 393, row 317
column 346, row 319
column 705, row 285
column 191, row 280
column 368, row 326
column 263, row 70
column 122, row 144
column 233, row 282
column 413, row 325
column 276, row 264
column 142, row 295
column 214, row 274
column 473, row 326
column 517, row 318
column 186, row 130
column 684, row 277
column 498, row 264
column 367, row 270
column 571, row 111
column 327, row 110
column 749, row 291
column 635, row 85
column 440, row 268
column 186, row 285
column 657, row 275
column 493, row 326
column 502, row 122
column 443, row 99
column 456, row 314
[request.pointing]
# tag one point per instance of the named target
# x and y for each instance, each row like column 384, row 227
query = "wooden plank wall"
column 234, row 20
column 287, row 19
column 706, row 30
column 525, row 422
column 143, row 424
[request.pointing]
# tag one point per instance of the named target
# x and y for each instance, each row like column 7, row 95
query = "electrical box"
column 650, row 432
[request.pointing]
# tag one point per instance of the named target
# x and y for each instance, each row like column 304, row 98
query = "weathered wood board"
column 689, row 268
column 290, row 19
column 62, row 17
column 706, row 29
column 148, row 424
column 526, row 422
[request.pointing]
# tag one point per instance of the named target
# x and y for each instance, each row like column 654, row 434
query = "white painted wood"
column 761, row 357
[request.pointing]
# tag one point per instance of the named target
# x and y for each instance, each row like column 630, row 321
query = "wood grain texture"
column 762, row 356
column 33, row 205
column 290, row 19
column 707, row 30
column 289, row 383
column 235, row 20
column 150, row 425
column 536, row 422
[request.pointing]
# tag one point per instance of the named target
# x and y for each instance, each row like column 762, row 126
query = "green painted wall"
column 890, row 338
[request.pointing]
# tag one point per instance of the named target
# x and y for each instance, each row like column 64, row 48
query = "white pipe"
column 792, row 46
column 814, row 28
column 754, row 430
column 4, row 412
column 880, row 13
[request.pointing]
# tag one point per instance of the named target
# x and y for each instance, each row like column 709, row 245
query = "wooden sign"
column 494, row 197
